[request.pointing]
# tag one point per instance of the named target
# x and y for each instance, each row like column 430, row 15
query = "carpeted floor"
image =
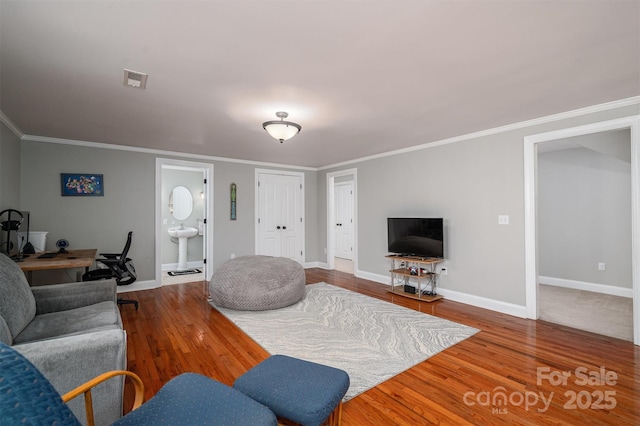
column 585, row 310
column 370, row 339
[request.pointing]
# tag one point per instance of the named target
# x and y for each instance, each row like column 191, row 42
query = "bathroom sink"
column 183, row 232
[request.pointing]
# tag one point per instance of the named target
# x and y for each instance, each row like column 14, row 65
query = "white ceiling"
column 360, row 77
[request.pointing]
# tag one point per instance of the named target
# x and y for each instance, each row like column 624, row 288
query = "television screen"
column 423, row 237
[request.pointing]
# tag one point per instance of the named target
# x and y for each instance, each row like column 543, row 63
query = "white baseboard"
column 582, row 285
column 382, row 279
column 485, row 303
column 456, row 296
column 138, row 285
column 321, row 265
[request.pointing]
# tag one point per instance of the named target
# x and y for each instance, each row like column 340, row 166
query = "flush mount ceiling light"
column 281, row 130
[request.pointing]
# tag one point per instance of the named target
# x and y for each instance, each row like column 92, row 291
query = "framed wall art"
column 81, row 185
column 233, row 201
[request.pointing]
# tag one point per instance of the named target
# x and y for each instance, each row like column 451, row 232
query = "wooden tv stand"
column 425, row 273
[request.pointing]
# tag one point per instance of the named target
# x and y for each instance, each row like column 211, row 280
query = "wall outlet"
column 233, row 255
column 443, row 271
column 601, row 266
column 503, row 219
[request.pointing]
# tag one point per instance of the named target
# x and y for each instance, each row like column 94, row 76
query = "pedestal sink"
column 182, row 233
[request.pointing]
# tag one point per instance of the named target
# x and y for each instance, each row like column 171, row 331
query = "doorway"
column 193, row 182
column 531, row 145
column 342, row 227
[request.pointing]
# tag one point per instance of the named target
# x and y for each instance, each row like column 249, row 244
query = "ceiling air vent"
column 135, row 79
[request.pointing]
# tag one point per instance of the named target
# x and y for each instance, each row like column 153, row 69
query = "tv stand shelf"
column 408, row 270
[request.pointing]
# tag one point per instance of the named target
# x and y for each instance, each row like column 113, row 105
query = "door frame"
column 331, row 177
column 530, row 191
column 303, row 241
column 207, row 170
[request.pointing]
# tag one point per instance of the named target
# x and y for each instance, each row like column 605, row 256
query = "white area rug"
column 370, row 339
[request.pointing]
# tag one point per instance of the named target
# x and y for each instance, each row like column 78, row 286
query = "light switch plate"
column 503, row 219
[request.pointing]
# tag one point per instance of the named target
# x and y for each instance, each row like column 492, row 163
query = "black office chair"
column 119, row 266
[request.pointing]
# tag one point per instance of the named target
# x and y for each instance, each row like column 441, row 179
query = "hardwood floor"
column 176, row 330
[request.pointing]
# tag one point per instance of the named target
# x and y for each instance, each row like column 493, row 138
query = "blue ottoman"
column 301, row 391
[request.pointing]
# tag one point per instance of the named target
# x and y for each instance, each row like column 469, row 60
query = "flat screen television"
column 421, row 237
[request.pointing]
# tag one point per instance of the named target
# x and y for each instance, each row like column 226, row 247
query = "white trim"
column 485, row 303
column 530, row 188
column 207, row 169
column 456, row 296
column 309, row 265
column 331, row 177
column 10, row 124
column 586, row 286
column 515, row 126
column 382, row 279
column 88, row 144
column 302, row 207
column 138, row 285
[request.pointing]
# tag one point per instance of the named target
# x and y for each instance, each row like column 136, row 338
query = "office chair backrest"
column 125, row 251
column 126, row 271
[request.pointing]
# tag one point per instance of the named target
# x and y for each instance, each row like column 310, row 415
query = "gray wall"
column 238, row 236
column 194, row 182
column 9, row 169
column 469, row 184
column 129, row 203
column 584, row 216
column 9, row 178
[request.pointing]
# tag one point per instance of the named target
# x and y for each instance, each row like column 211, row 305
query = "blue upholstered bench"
column 27, row 397
column 301, row 391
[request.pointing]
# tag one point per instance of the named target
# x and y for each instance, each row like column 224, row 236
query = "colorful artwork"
column 233, row 201
column 75, row 184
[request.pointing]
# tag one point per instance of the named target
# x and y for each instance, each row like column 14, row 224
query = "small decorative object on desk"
column 62, row 245
column 77, row 184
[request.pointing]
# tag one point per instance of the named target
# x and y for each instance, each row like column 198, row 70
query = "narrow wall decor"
column 78, row 184
column 233, row 201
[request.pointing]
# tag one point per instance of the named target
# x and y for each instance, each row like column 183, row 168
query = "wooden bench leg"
column 336, row 416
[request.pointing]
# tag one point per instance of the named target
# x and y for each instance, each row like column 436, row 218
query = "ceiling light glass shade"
column 281, row 130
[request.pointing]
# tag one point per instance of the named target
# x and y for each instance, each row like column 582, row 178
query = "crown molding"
column 533, row 122
column 7, row 122
column 46, row 139
column 536, row 121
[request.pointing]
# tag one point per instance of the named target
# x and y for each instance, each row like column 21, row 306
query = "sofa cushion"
column 17, row 304
column 5, row 334
column 101, row 316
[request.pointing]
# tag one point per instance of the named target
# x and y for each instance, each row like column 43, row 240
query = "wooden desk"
column 83, row 258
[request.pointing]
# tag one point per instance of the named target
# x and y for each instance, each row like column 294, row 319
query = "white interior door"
column 344, row 220
column 280, row 216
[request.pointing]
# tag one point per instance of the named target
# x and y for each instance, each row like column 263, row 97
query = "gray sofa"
column 71, row 332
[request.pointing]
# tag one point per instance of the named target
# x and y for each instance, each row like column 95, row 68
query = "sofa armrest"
column 62, row 297
column 68, row 362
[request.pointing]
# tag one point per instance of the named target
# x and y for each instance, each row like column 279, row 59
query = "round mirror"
column 181, row 203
